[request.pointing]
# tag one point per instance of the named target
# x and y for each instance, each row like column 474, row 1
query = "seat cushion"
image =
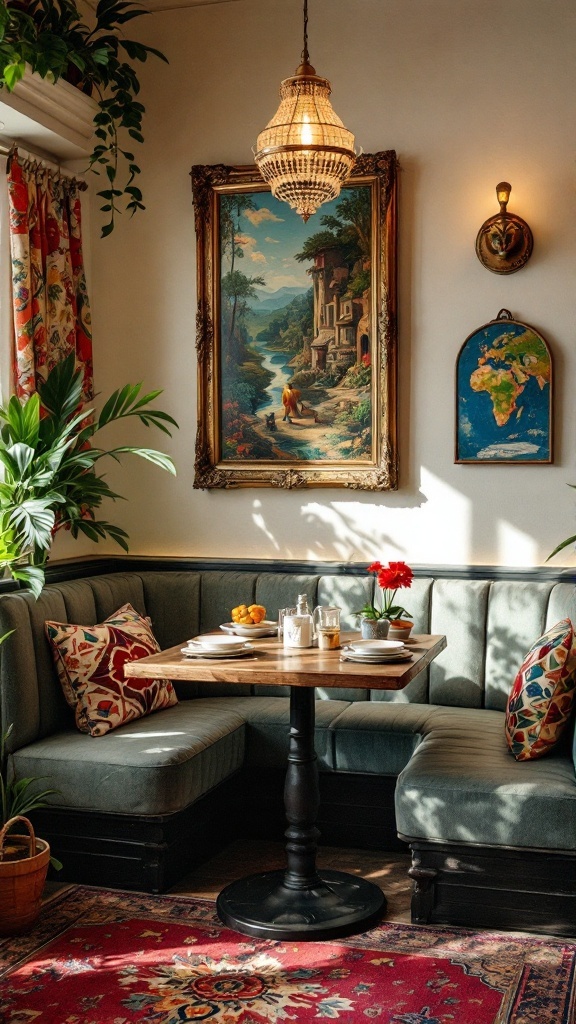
column 378, row 737
column 90, row 664
column 155, row 765
column 462, row 785
column 542, row 695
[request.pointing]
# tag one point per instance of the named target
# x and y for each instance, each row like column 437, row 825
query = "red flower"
column 396, row 575
column 375, row 567
column 390, row 578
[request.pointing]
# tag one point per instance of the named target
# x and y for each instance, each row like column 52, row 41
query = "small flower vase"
column 374, row 629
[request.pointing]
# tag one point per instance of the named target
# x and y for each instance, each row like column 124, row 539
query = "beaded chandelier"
column 305, row 153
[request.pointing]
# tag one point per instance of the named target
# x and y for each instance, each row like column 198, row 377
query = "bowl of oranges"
column 250, row 620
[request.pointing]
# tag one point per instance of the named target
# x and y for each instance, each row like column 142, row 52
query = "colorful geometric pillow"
column 90, row 665
column 542, row 696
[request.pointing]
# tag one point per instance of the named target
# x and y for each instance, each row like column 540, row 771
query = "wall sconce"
column 504, row 242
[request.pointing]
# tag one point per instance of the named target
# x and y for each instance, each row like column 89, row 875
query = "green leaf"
column 564, row 544
column 61, row 393
column 34, row 520
column 151, row 455
column 98, row 528
column 23, row 455
column 9, row 464
column 157, row 53
column 31, row 575
column 14, row 73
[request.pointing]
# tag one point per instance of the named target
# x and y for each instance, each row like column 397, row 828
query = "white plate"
column 198, row 652
column 376, row 646
column 215, row 640
column 375, row 654
column 379, row 659
column 258, row 630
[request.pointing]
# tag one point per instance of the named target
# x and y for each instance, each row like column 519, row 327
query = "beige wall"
column 468, row 92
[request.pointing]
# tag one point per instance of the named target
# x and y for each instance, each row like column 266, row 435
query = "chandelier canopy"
column 305, row 153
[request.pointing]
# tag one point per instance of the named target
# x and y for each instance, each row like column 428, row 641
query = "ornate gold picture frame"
column 296, row 333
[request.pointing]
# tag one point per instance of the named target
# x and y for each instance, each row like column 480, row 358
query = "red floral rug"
column 101, row 957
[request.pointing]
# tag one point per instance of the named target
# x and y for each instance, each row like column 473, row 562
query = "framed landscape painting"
column 296, row 332
column 504, row 395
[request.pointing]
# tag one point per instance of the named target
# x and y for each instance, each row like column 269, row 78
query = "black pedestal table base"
column 301, row 903
column 338, row 904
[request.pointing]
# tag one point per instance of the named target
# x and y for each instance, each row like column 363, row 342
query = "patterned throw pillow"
column 542, row 696
column 90, row 665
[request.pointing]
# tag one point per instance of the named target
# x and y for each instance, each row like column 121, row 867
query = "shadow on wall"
column 339, row 533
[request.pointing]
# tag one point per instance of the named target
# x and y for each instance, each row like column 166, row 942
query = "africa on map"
column 503, row 395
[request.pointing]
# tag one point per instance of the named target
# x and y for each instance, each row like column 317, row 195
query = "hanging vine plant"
column 50, row 37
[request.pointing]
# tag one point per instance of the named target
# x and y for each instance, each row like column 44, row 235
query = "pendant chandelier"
column 305, row 153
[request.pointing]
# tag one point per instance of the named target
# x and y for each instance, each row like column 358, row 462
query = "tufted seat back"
column 489, row 627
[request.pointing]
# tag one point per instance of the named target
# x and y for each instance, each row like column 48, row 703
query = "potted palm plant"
column 24, row 859
column 50, row 37
column 51, row 467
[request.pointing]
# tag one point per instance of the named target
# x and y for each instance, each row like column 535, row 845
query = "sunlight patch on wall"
column 260, row 524
column 515, row 547
column 444, row 527
column 438, row 528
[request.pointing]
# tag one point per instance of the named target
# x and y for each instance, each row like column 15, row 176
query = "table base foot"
column 263, row 905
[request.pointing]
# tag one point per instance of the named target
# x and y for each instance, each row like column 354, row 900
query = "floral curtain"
column 51, row 306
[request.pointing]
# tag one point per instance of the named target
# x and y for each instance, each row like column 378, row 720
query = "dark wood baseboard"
column 493, row 887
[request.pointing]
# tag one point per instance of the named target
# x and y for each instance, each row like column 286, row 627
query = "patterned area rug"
column 102, row 957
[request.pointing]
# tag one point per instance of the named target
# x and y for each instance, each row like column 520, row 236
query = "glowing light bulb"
column 306, row 133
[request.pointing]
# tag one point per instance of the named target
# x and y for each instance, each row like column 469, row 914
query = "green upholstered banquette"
column 493, row 840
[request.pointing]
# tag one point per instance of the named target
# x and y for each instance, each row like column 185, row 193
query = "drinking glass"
column 327, row 626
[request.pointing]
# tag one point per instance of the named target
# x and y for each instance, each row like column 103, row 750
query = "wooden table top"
column 270, row 663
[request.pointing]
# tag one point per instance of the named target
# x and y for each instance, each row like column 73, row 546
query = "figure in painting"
column 290, row 399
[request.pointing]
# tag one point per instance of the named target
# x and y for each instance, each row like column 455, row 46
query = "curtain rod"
column 29, row 154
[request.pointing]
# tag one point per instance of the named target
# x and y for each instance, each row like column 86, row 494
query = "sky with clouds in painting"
column 271, row 235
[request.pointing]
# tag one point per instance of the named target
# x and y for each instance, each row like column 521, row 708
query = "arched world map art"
column 504, row 394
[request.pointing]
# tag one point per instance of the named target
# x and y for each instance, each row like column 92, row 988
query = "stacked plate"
column 256, row 630
column 212, row 645
column 378, row 652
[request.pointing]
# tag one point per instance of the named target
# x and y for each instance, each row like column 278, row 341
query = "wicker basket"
column 21, row 880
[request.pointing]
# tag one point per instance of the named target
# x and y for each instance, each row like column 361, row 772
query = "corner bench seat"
column 137, row 807
column 456, row 780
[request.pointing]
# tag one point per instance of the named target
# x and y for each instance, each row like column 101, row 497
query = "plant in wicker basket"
column 24, row 859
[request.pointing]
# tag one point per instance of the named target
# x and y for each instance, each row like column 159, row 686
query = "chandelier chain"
column 305, row 153
column 305, row 54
